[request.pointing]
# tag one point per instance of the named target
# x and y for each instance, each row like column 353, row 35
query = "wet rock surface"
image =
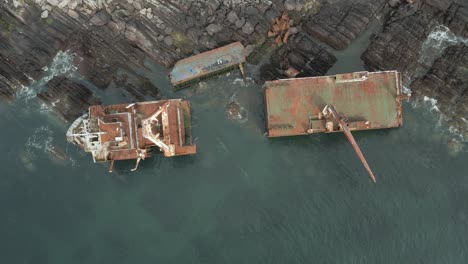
column 407, row 26
column 339, row 23
column 303, row 54
column 67, row 97
column 399, row 47
column 114, row 36
column 447, row 83
column 235, row 111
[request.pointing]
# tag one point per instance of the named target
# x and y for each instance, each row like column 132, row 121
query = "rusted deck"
column 129, row 131
column 369, row 100
column 207, row 63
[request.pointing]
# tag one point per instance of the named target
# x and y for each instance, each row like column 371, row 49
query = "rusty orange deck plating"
column 129, row 131
column 207, row 63
column 369, row 100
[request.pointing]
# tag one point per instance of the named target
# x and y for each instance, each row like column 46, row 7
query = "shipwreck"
column 130, row 131
column 339, row 103
column 207, row 64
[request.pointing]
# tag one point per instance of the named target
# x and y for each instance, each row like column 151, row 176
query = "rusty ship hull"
column 130, row 131
column 368, row 100
column 208, row 63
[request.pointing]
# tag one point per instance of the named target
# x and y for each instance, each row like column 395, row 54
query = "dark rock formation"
column 140, row 88
column 68, row 98
column 447, row 82
column 456, row 18
column 23, row 53
column 113, row 38
column 302, row 53
column 339, row 23
column 235, row 111
column 398, row 46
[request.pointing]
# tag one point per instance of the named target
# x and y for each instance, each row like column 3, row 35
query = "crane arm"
column 330, row 110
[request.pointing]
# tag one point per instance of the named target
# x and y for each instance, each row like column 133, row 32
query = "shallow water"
column 243, row 198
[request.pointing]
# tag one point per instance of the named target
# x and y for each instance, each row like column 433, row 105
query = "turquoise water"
column 243, row 198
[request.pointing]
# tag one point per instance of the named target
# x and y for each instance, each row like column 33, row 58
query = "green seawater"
column 243, row 198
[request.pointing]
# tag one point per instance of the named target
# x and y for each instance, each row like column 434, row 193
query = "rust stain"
column 130, row 131
column 208, row 63
column 280, row 30
column 330, row 112
column 370, row 100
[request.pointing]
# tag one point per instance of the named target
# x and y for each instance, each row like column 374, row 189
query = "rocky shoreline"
column 113, row 37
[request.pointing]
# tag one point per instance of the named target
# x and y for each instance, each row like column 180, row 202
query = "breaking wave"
column 241, row 81
column 433, row 47
column 235, row 111
column 62, row 65
column 41, row 140
column 432, row 103
column 437, row 41
column 457, row 141
column 407, row 91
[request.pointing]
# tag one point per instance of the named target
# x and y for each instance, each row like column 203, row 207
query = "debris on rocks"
column 280, row 29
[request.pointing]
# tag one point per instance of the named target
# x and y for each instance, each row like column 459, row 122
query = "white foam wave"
column 407, row 91
column 40, row 140
column 437, row 41
column 432, row 102
column 235, row 111
column 456, row 134
column 433, row 47
column 241, row 81
column 62, row 65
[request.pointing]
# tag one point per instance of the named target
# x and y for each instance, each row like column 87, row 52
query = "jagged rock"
column 457, row 19
column 240, row 22
column 73, row 4
column 53, row 2
column 136, row 5
column 232, row 17
column 397, row 47
column 140, row 88
column 68, row 98
column 213, row 29
column 168, row 30
column 168, row 40
column 63, row 3
column 338, row 24
column 189, row 21
column 394, row 3
column 447, row 82
column 303, row 54
column 299, row 5
column 73, row 14
column 123, row 40
column 271, row 15
column 235, row 111
column 16, row 4
column 251, row 11
column 290, row 4
column 293, row 30
column 248, row 28
column 100, row 18
column 45, row 14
